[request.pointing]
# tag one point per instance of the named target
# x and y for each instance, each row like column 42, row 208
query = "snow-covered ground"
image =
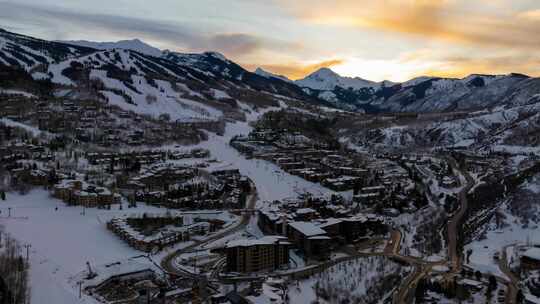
column 484, row 250
column 511, row 230
column 155, row 100
column 17, row 92
column 364, row 280
column 413, row 242
column 64, row 240
column 35, row 131
column 518, row 150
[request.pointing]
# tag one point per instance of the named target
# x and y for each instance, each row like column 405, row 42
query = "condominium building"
column 265, row 254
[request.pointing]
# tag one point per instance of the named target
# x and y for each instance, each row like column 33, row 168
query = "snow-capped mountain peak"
column 324, row 73
column 326, row 79
column 134, row 45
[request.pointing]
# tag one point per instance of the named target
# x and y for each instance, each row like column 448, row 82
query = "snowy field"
column 484, row 250
column 64, row 240
column 512, row 231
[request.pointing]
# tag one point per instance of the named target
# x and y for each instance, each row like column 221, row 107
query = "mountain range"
column 142, row 78
column 126, row 75
column 421, row 94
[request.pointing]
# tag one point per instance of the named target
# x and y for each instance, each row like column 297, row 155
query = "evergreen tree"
column 520, row 296
column 420, row 291
column 492, row 283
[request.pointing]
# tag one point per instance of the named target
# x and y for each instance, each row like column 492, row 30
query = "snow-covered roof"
column 307, row 228
column 305, row 211
column 373, row 188
column 531, row 298
column 342, row 179
column 319, row 237
column 330, row 222
column 267, row 240
column 471, row 282
column 105, row 272
column 532, row 253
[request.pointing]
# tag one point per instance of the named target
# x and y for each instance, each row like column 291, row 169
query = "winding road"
column 453, row 230
column 454, row 256
column 394, row 244
column 169, row 264
column 423, row 268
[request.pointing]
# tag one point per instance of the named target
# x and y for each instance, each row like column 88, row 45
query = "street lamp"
column 27, row 246
column 80, row 288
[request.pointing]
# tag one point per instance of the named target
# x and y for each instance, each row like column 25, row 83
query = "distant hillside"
column 144, row 79
column 185, row 86
column 422, row 94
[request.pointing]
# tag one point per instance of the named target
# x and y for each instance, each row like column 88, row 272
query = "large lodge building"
column 265, row 254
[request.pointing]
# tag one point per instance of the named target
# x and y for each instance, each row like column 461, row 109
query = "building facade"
column 266, row 254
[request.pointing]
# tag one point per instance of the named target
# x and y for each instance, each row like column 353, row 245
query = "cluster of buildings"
column 186, row 187
column 161, row 176
column 135, row 281
column 95, row 122
column 15, row 106
column 140, row 175
column 78, row 192
column 315, row 240
column 485, row 166
column 145, row 240
column 334, row 169
column 154, row 233
column 34, row 176
column 144, row 157
column 17, row 151
column 315, row 236
column 314, row 226
column 300, row 156
column 146, row 243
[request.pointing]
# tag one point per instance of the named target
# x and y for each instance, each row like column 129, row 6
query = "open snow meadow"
column 64, row 238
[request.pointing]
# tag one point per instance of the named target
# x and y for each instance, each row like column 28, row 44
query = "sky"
column 378, row 40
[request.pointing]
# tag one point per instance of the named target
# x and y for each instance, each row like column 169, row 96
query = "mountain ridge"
column 132, row 44
column 206, row 73
column 181, row 85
